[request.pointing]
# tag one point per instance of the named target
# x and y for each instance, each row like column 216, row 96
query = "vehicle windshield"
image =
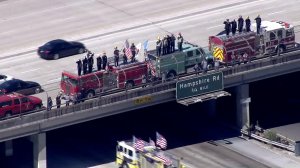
column 70, row 80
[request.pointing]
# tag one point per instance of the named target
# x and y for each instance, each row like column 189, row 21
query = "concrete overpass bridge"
column 35, row 125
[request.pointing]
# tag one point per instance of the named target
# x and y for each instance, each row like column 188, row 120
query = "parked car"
column 15, row 103
column 19, row 86
column 59, row 48
column 4, row 78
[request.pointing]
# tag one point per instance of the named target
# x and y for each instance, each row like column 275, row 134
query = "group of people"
column 85, row 65
column 233, row 26
column 167, row 44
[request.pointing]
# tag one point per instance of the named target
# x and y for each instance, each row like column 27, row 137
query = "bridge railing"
column 137, row 92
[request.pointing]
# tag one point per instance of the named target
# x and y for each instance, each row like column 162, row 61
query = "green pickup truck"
column 178, row 62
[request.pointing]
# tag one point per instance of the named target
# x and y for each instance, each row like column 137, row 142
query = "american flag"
column 151, row 142
column 150, row 66
column 127, row 50
column 138, row 143
column 161, row 141
column 166, row 160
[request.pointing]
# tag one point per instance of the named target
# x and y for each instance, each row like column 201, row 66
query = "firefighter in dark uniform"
column 124, row 57
column 116, row 56
column 240, row 24
column 173, row 39
column 248, row 24
column 79, row 66
column 169, row 40
column 158, row 46
column 165, row 45
column 133, row 52
column 104, row 60
column 233, row 27
column 227, row 27
column 84, row 65
column 90, row 62
column 258, row 24
column 58, row 101
column 99, row 63
column 179, row 41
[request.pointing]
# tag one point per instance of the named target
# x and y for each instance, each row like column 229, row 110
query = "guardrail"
column 137, row 92
column 265, row 140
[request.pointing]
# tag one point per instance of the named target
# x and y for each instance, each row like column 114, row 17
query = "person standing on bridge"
column 90, row 62
column 173, row 39
column 158, row 46
column 227, row 27
column 179, row 41
column 99, row 63
column 133, row 52
column 233, row 27
column 240, row 24
column 79, row 67
column 124, row 57
column 165, row 45
column 49, row 103
column 104, row 60
column 116, row 56
column 258, row 24
column 248, row 24
column 84, row 65
column 58, row 101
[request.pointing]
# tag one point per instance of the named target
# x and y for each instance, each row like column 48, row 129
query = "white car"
column 4, row 78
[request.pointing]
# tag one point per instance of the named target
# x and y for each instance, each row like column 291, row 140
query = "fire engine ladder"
column 202, row 98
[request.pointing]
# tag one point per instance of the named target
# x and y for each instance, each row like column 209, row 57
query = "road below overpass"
column 102, row 25
column 190, row 133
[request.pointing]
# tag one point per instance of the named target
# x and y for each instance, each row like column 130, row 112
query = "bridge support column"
column 8, row 148
column 39, row 150
column 242, row 106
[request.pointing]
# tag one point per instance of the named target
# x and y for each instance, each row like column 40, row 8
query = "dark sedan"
column 19, row 86
column 56, row 49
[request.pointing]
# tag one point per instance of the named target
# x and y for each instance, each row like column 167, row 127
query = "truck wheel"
column 124, row 165
column 56, row 56
column 37, row 90
column 129, row 85
column 90, row 94
column 81, row 50
column 37, row 107
column 8, row 114
column 171, row 75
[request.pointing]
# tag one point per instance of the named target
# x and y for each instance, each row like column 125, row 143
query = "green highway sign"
column 199, row 85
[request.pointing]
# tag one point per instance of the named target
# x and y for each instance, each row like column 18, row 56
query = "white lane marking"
column 276, row 12
column 53, row 80
column 212, row 27
column 31, row 70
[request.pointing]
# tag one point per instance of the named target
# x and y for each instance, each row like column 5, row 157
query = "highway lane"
column 27, row 24
column 195, row 27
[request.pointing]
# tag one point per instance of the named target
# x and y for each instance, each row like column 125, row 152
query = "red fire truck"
column 115, row 77
column 274, row 36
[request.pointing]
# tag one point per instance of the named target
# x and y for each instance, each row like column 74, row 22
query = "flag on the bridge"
column 165, row 159
column 127, row 49
column 138, row 143
column 150, row 66
column 145, row 45
column 138, row 49
column 151, row 142
column 161, row 141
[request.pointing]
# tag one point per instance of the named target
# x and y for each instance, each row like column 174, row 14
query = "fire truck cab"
column 128, row 157
column 274, row 36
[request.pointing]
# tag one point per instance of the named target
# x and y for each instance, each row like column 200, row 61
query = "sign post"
column 199, row 85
